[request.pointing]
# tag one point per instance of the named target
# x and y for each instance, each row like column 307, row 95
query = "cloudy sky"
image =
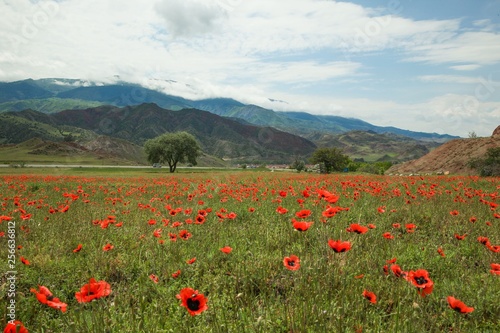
column 423, row 65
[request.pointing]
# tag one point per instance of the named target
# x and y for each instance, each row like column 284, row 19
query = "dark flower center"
column 193, row 304
column 420, row 280
column 291, row 263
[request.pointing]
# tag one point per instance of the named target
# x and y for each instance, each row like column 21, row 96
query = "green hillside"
column 371, row 147
column 220, row 137
column 48, row 105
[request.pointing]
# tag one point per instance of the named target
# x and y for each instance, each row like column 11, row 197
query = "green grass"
column 249, row 290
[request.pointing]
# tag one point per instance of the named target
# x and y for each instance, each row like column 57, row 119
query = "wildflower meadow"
column 249, row 251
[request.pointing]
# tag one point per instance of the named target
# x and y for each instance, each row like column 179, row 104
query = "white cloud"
column 450, row 79
column 477, row 48
column 469, row 67
column 302, row 72
column 190, row 17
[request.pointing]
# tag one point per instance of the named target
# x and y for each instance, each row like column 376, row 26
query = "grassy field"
column 17, row 155
column 149, row 235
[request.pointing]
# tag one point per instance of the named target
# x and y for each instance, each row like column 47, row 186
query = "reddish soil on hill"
column 452, row 157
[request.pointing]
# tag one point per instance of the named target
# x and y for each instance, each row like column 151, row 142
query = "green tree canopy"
column 489, row 165
column 172, row 148
column 331, row 158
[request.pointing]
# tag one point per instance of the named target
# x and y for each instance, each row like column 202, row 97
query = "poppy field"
column 249, row 252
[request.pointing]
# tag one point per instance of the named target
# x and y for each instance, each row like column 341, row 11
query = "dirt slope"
column 451, row 157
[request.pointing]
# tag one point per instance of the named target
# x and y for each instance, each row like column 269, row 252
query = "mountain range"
column 225, row 127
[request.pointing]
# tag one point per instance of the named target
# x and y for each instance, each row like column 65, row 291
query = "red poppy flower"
column 387, row 235
column 157, row 233
column 93, row 290
column 173, row 237
column 397, row 271
column 460, row 237
column 107, row 247
column 441, row 252
column 152, row 222
column 194, row 302
column 226, row 249
column 381, row 209
column 495, row 269
column 371, row 226
column 396, row 225
column 281, row 210
column 184, row 234
column 231, row 216
column 301, row 226
column 200, row 219
column 332, row 198
column 339, row 246
column 458, row 305
column 328, row 197
column 472, row 219
column 483, row 240
column 176, row 274
column 370, row 296
column 493, row 248
column 15, row 327
column 454, row 212
column 25, row 261
column 154, row 278
column 191, row 261
column 303, row 213
column 420, row 279
column 44, row 296
column 410, row 227
column 360, row 276
column 359, row 229
column 391, row 261
column 78, row 248
column 292, row 263
column 386, row 269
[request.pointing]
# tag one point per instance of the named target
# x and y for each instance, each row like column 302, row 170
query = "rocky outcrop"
column 452, row 157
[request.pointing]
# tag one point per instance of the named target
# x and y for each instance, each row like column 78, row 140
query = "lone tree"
column 331, row 158
column 172, row 148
